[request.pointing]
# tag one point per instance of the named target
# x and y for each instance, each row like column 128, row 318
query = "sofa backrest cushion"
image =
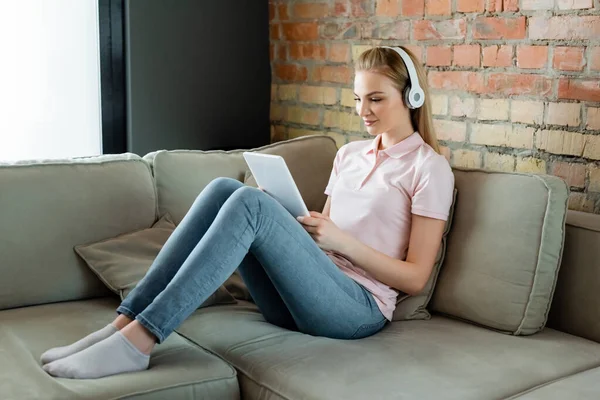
column 504, row 250
column 576, row 304
column 48, row 207
column 182, row 174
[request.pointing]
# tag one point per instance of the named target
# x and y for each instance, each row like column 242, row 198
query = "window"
column 49, row 79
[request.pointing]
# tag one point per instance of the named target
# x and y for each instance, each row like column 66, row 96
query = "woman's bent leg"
column 320, row 297
column 179, row 245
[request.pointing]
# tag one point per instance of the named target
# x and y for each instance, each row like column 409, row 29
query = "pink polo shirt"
column 373, row 194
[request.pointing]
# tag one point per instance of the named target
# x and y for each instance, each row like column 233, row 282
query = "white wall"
column 49, row 79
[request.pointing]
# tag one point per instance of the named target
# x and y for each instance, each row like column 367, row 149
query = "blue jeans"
column 292, row 281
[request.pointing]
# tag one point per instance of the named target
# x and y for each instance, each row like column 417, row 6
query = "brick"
column 568, row 58
column 493, row 109
column 339, row 30
column 307, row 51
column 573, row 174
column 274, row 89
column 340, row 139
column 502, row 5
column 282, row 12
column 502, row 135
column 531, row 165
column 568, row 114
column 466, row 55
column 574, row 4
column 271, row 51
column 287, row 92
column 295, row 132
column 341, row 9
column 468, row 6
column 355, row 138
column 439, row 104
column 499, row 28
column 358, row 49
column 532, row 56
column 277, row 112
column 466, row 158
column 527, row 112
column 560, row 142
column 519, row 84
column 592, row 147
column 593, row 119
column 435, row 30
column 537, row 4
column 387, row 8
column 271, row 12
column 310, row 10
column 595, row 58
column 580, row 202
column 564, row 27
column 439, row 55
column 301, row 31
column 450, row 130
column 416, row 50
column 413, row 8
column 327, row 73
column 345, row 121
column 497, row 56
column 398, row 30
column 362, row 8
column 499, row 162
column 282, row 52
column 438, row 7
column 347, row 98
column 274, row 31
column 291, row 72
column 277, row 133
column 339, row 52
column 594, row 185
column 462, row 107
column 302, row 115
column 456, row 80
column 318, row 95
column 511, row 5
column 579, row 89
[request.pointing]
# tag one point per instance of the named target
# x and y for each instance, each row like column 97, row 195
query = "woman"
column 335, row 273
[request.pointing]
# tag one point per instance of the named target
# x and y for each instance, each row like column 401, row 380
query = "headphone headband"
column 415, row 97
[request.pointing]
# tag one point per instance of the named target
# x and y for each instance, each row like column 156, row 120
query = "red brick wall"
column 515, row 83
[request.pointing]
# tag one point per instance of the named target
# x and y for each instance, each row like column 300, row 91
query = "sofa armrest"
column 576, row 303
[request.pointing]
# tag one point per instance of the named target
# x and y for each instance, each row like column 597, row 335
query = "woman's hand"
column 323, row 231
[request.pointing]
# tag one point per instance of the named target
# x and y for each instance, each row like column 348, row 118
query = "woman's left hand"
column 323, row 231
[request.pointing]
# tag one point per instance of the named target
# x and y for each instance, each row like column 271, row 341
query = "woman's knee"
column 223, row 187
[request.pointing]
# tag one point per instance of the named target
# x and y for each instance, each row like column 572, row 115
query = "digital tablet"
column 273, row 176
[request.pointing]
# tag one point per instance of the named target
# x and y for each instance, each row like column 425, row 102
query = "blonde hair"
column 389, row 63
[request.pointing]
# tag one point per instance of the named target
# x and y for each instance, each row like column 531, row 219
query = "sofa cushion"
column 178, row 369
column 581, row 386
column 182, row 174
column 121, row 262
column 422, row 359
column 576, row 303
column 504, row 250
column 48, row 207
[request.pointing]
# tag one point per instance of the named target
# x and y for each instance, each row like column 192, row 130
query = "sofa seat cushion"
column 420, row 359
column 178, row 369
column 582, row 386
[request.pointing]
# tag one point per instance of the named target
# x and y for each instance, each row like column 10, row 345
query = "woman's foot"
column 125, row 351
column 57, row 353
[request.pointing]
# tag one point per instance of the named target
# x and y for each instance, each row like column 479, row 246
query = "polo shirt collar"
column 401, row 148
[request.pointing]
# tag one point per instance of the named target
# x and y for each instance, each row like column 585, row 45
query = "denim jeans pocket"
column 369, row 329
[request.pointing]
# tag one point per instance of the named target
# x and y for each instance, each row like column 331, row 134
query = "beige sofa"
column 485, row 340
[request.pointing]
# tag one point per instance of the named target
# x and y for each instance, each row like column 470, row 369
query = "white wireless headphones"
column 414, row 97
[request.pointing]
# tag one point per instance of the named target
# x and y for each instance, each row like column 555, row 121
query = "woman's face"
column 378, row 103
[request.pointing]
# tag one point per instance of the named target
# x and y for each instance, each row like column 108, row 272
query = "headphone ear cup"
column 407, row 97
